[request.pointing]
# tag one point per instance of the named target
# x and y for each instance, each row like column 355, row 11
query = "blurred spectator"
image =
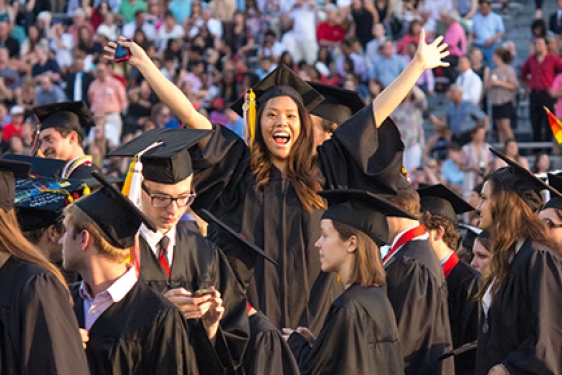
column 223, row 10
column 451, row 168
column 503, row 87
column 108, row 28
column 48, row 93
column 6, row 41
column 408, row 117
column 162, row 117
column 555, row 20
column 44, row 23
column 426, row 81
column 303, row 22
column 467, row 8
column 98, row 143
column 235, row 122
column 79, row 21
column 28, row 46
column 28, row 95
column 511, row 150
column 461, row 117
column 433, row 8
column 455, row 37
column 359, row 65
column 487, row 30
column 437, row 145
column 10, row 82
column 476, row 160
column 16, row 146
column 383, row 10
column 88, row 44
column 129, row 8
column 541, row 164
column 266, row 67
column 270, row 47
column 432, row 171
column 374, row 88
column 538, row 75
column 139, row 22
column 418, row 178
column 14, row 127
column 478, row 67
column 372, row 51
column 287, row 59
column 98, row 13
column 364, row 17
column 331, row 32
column 469, row 81
column 44, row 66
column 7, row 13
column 61, row 44
column 169, row 30
column 239, row 38
column 155, row 14
column 413, row 36
column 141, row 100
column 107, row 95
column 77, row 82
column 388, row 66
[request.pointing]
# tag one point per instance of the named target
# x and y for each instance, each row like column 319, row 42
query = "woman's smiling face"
column 280, row 126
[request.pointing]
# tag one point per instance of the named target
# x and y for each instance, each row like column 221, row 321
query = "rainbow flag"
column 555, row 125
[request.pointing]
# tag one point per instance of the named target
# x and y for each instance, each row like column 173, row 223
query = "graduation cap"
column 9, row 172
column 169, row 162
column 363, row 211
column 114, row 213
column 70, row 115
column 40, row 167
column 282, row 81
column 555, row 201
column 209, row 217
column 338, row 105
column 39, row 202
column 522, row 182
column 440, row 200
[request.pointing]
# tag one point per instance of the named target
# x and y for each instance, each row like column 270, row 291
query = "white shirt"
column 471, row 85
column 164, row 36
column 304, row 26
column 153, row 239
column 63, row 54
column 214, row 26
column 148, row 29
column 78, row 87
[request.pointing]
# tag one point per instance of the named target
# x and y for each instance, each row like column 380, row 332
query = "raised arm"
column 427, row 57
column 166, row 91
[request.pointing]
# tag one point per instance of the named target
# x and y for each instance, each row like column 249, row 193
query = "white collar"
column 118, row 290
column 153, row 238
column 397, row 237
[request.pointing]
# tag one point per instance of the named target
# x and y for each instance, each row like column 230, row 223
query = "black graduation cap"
column 555, row 201
column 209, row 217
column 40, row 167
column 281, row 82
column 70, row 115
column 168, row 163
column 440, row 200
column 362, row 210
column 9, row 172
column 338, row 105
column 522, row 182
column 114, row 213
column 39, row 202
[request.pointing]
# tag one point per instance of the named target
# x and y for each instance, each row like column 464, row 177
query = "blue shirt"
column 451, row 172
column 180, row 9
column 464, row 117
column 486, row 27
column 237, row 127
column 387, row 70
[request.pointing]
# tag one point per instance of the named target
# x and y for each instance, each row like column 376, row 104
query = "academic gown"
column 462, row 284
column 267, row 351
column 359, row 337
column 38, row 331
column 143, row 334
column 199, row 264
column 417, row 290
column 524, row 320
column 82, row 172
column 296, row 292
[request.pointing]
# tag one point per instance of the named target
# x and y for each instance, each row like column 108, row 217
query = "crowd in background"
column 50, row 51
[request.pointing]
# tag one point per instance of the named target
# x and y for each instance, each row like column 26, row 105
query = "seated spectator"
column 98, row 144
column 541, row 164
column 451, row 168
column 372, row 51
column 467, row 8
column 487, row 30
column 413, row 36
column 358, row 62
column 511, row 150
column 476, row 160
column 44, row 66
column 364, row 16
column 266, row 67
column 437, row 145
column 181, row 9
column 62, row 45
column 223, row 9
column 6, row 41
column 213, row 25
column 155, row 14
column 168, row 69
column 169, row 30
column 418, row 178
column 235, row 122
column 97, row 14
column 77, row 81
column 79, row 21
column 48, row 93
column 271, row 47
column 28, row 95
column 239, row 37
column 324, row 62
column 461, row 117
column 129, row 8
column 287, row 59
column 331, row 32
column 433, row 9
column 10, row 82
column 388, row 66
column 139, row 22
column 455, row 37
column 555, row 20
column 141, row 100
column 108, row 28
column 27, row 48
column 14, row 127
column 469, row 81
column 374, row 88
column 16, row 146
column 162, row 117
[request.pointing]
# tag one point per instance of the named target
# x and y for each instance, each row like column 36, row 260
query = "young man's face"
column 53, row 145
column 71, row 247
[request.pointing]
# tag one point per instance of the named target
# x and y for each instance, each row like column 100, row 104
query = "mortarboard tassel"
column 249, row 111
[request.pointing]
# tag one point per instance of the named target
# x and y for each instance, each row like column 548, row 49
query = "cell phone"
column 122, row 53
column 203, row 292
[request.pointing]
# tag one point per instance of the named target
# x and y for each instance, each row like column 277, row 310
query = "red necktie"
column 163, row 254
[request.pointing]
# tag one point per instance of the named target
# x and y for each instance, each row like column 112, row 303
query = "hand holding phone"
column 122, row 53
column 203, row 292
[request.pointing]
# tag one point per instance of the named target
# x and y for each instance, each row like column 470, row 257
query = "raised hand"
column 431, row 55
column 138, row 55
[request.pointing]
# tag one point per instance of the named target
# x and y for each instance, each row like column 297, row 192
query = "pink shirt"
column 455, row 37
column 94, row 307
column 557, row 85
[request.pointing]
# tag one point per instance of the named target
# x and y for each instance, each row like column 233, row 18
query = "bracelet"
column 505, row 369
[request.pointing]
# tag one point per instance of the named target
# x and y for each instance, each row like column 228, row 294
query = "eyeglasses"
column 163, row 200
column 551, row 224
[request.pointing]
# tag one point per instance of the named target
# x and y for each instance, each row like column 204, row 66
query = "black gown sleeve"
column 540, row 353
column 360, row 156
column 50, row 339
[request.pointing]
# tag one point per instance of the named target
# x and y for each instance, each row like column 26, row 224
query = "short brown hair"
column 64, row 132
column 80, row 221
column 433, row 222
column 407, row 199
column 367, row 269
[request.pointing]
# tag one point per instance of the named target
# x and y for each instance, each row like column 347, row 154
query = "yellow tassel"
column 251, row 116
column 86, row 190
column 339, row 278
column 129, row 178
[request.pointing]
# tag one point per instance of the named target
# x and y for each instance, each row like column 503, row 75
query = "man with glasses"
column 175, row 261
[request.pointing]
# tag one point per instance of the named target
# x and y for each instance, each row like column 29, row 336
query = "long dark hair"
column 512, row 220
column 301, row 171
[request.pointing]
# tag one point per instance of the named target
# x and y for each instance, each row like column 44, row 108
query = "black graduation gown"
column 143, row 333
column 296, row 292
column 199, row 264
column 524, row 319
column 38, row 331
column 417, row 291
column 82, row 172
column 359, row 337
column 267, row 351
column 462, row 284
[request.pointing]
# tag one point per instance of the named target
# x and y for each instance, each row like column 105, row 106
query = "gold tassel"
column 127, row 184
column 86, row 190
column 339, row 278
column 249, row 115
